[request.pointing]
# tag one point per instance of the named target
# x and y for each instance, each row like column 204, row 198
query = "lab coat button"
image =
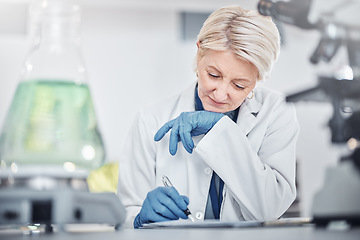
column 199, row 215
column 208, row 171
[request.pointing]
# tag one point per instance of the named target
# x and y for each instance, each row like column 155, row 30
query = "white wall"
column 135, row 55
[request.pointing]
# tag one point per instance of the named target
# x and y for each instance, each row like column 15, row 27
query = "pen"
column 167, row 183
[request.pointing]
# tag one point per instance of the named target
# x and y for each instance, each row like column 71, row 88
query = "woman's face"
column 224, row 80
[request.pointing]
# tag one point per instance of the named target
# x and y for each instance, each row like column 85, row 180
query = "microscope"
column 339, row 198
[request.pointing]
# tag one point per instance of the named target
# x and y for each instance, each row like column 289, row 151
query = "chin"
column 214, row 109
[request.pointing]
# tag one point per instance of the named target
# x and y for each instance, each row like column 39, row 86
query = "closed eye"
column 213, row 75
column 238, row 86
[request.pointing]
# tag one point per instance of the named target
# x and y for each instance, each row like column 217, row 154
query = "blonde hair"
column 251, row 36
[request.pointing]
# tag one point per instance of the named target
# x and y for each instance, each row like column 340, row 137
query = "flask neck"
column 55, row 52
column 57, row 33
column 60, row 22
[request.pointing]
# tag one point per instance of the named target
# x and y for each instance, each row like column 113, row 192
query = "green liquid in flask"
column 52, row 122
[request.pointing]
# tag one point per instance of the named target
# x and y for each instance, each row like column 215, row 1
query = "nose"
column 221, row 92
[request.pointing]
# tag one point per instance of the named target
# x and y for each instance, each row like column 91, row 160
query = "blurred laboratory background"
column 138, row 51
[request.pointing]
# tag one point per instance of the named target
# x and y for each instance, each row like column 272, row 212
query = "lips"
column 215, row 103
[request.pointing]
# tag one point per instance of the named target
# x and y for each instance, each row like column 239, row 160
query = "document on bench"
column 224, row 224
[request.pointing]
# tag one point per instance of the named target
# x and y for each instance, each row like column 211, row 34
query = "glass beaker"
column 51, row 120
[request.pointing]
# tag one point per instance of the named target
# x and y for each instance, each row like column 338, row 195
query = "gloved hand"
column 187, row 125
column 162, row 204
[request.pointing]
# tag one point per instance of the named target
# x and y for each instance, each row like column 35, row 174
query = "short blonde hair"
column 251, row 36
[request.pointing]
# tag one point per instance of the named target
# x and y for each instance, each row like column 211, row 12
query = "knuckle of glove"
column 161, row 210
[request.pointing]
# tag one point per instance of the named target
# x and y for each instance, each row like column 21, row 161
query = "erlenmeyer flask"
column 51, row 120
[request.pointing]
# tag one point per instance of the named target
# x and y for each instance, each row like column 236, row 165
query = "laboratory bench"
column 256, row 233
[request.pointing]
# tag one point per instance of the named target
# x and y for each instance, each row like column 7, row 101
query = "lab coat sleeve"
column 259, row 176
column 136, row 167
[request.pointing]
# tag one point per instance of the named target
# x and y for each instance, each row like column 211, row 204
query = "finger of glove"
column 163, row 130
column 204, row 121
column 186, row 199
column 146, row 216
column 149, row 213
column 165, row 205
column 156, row 209
column 199, row 123
column 215, row 117
column 137, row 221
column 176, row 197
column 174, row 139
column 185, row 136
column 173, row 208
column 175, row 202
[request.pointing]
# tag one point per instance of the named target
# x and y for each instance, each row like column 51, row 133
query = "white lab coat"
column 255, row 158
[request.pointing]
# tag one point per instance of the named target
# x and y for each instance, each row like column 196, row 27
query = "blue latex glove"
column 187, row 125
column 162, row 204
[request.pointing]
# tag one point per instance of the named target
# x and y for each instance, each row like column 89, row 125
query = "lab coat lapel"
column 186, row 101
column 247, row 114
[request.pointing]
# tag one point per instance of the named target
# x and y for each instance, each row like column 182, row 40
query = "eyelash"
column 215, row 76
column 238, row 86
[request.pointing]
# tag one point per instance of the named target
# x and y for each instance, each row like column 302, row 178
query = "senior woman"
column 228, row 147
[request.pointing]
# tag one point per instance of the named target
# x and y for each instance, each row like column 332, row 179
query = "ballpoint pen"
column 167, row 183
